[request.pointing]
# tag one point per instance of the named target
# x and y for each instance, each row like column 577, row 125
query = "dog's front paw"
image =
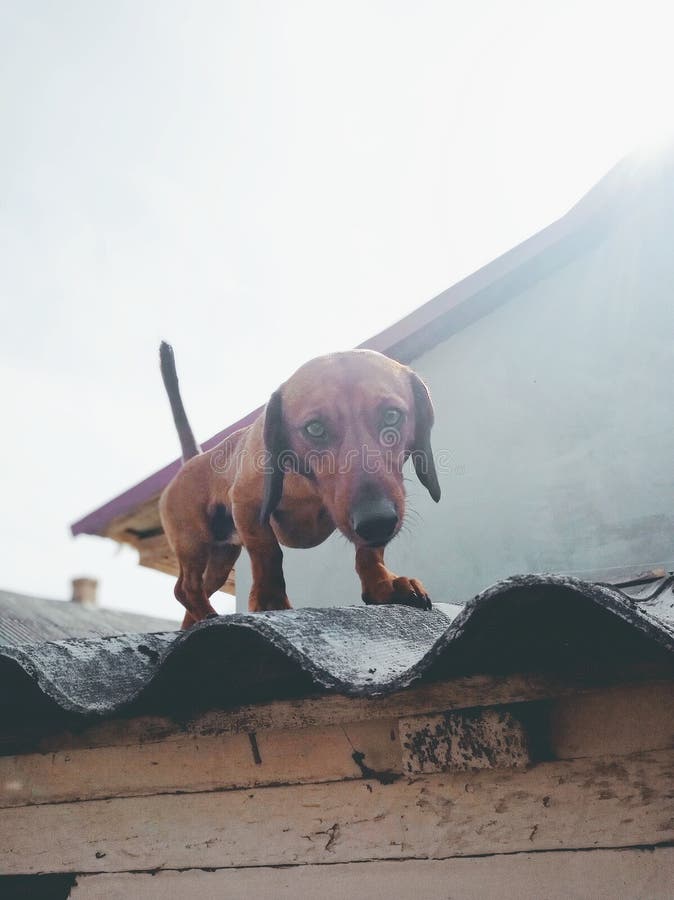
column 403, row 591
column 260, row 601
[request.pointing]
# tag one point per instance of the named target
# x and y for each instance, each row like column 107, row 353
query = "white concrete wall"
column 553, row 432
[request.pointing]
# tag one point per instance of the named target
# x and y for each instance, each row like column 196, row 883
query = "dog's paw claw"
column 402, row 595
column 410, row 592
column 414, row 600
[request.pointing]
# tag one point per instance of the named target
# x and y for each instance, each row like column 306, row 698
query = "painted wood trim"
column 605, row 802
column 601, row 874
column 625, row 719
column 631, row 719
column 201, row 763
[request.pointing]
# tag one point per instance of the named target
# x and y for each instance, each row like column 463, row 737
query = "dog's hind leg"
column 220, row 564
column 189, row 589
column 221, row 560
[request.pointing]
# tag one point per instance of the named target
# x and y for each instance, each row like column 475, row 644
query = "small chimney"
column 84, row 592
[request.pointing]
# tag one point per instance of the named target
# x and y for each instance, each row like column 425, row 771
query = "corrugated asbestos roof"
column 525, row 623
column 30, row 620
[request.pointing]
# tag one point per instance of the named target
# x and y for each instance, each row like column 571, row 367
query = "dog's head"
column 348, row 422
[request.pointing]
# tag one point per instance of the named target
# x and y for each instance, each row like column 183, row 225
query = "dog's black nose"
column 375, row 521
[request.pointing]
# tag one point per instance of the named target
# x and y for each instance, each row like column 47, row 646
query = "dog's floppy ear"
column 275, row 445
column 421, row 453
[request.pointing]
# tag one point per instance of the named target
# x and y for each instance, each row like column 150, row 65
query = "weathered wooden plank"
column 460, row 741
column 625, row 719
column 600, row 874
column 602, row 802
column 459, row 693
column 617, row 721
column 200, row 763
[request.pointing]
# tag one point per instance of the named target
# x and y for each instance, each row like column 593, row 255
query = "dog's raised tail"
column 167, row 364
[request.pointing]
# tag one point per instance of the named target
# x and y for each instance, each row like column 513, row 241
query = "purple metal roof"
column 435, row 320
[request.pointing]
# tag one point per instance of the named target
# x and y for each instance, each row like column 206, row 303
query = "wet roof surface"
column 525, row 623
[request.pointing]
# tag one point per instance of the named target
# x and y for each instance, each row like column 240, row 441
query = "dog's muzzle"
column 375, row 521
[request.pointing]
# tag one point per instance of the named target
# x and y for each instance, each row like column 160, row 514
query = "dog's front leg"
column 269, row 587
column 379, row 585
column 266, row 559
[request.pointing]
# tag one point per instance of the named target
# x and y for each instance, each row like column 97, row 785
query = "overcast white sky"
column 261, row 182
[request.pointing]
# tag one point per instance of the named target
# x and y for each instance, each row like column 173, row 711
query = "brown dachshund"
column 327, row 452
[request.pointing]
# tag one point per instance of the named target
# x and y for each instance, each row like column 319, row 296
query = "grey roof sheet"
column 29, row 620
column 525, row 623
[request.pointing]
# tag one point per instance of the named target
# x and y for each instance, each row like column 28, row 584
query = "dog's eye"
column 391, row 417
column 316, row 430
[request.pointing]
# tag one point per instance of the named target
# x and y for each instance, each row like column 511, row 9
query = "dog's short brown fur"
column 326, row 453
